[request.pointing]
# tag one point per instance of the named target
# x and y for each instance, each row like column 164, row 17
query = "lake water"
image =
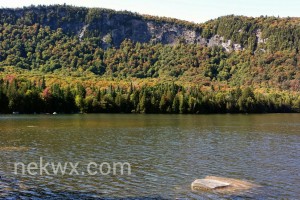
column 166, row 153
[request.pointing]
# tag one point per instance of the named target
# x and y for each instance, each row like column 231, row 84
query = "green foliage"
column 44, row 40
column 25, row 97
column 279, row 33
column 40, row 48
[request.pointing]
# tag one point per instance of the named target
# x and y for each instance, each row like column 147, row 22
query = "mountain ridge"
column 113, row 27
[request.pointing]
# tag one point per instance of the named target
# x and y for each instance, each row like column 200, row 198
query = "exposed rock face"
column 215, row 41
column 218, row 40
column 119, row 28
column 82, row 31
column 122, row 27
column 259, row 37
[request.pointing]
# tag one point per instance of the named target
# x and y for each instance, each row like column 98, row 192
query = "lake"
column 166, row 154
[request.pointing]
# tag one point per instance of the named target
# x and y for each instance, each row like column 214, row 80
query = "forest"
column 28, row 97
column 46, row 67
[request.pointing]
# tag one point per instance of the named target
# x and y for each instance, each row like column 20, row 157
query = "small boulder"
column 222, row 185
column 208, row 184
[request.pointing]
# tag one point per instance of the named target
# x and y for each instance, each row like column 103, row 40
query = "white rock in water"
column 208, row 184
column 223, row 185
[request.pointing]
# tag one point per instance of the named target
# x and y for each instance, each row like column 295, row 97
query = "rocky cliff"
column 230, row 32
column 111, row 26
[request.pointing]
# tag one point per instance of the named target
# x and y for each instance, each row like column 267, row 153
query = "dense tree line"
column 37, row 97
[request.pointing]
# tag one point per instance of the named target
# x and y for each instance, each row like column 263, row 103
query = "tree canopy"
column 182, row 77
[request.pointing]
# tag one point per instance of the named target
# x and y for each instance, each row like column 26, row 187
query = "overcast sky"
column 191, row 10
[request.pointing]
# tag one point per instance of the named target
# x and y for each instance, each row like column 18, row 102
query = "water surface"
column 166, row 152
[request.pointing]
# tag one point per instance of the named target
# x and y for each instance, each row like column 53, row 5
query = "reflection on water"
column 166, row 153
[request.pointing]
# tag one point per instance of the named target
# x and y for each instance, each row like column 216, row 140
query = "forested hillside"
column 70, row 59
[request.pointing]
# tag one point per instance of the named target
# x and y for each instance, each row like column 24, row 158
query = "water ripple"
column 166, row 153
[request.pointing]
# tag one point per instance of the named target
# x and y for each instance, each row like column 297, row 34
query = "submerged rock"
column 222, row 185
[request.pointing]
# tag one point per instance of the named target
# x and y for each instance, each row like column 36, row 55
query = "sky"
column 191, row 10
